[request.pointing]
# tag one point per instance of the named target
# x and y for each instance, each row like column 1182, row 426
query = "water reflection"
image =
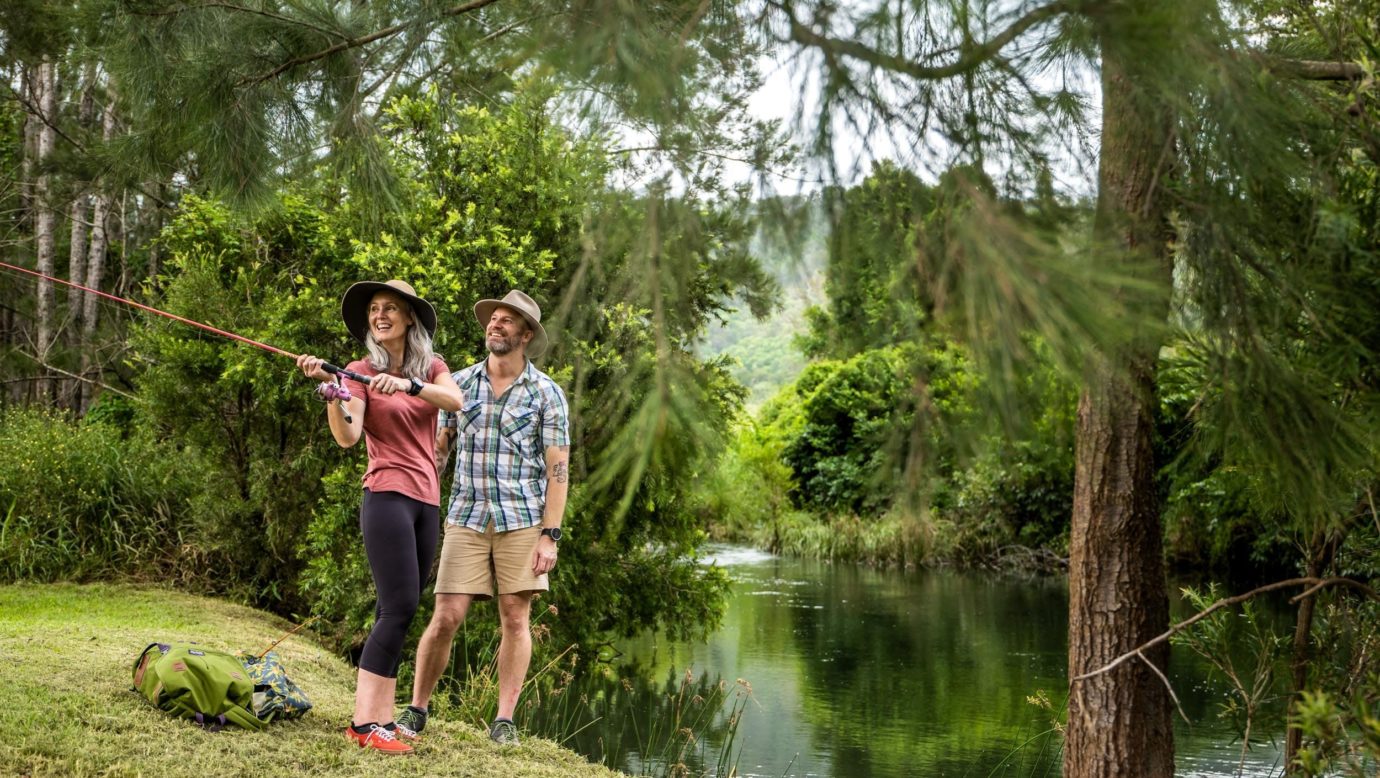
column 860, row 673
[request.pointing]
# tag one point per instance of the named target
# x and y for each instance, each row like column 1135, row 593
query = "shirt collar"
column 524, row 376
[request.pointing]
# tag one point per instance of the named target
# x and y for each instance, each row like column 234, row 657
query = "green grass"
column 65, row 656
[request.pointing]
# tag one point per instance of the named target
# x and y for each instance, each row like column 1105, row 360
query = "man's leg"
column 514, row 649
column 433, row 652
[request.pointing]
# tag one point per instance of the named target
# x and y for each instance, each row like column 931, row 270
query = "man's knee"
column 515, row 613
column 449, row 614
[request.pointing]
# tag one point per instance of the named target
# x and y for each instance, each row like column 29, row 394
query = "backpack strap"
column 211, row 723
column 136, row 669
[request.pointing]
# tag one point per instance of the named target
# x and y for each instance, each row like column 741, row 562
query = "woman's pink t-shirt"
column 400, row 436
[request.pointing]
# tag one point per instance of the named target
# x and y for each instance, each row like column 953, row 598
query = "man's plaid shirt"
column 500, row 448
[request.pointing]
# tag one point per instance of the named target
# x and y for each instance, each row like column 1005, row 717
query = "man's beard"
column 500, row 345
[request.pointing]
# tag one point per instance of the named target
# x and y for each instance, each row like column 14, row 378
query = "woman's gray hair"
column 417, row 353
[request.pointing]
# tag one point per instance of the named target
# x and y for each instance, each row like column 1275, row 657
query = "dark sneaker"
column 411, row 722
column 504, row 732
column 402, row 733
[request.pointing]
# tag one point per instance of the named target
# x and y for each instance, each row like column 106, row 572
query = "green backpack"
column 209, row 687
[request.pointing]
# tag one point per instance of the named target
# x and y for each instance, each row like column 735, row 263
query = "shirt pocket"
column 469, row 417
column 518, row 426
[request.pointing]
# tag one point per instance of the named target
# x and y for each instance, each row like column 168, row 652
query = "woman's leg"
column 388, row 522
column 374, row 698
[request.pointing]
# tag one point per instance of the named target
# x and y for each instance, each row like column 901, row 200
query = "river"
column 855, row 672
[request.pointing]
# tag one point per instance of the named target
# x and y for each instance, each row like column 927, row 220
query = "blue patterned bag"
column 276, row 697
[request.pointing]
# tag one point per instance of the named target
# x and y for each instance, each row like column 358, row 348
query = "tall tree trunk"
column 1119, row 723
column 76, row 272
column 100, row 243
column 76, row 258
column 81, row 208
column 28, row 87
column 100, row 228
column 45, row 224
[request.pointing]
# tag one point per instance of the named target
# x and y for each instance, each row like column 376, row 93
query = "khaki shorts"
column 471, row 561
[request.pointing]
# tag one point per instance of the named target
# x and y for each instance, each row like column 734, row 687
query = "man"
column 512, row 444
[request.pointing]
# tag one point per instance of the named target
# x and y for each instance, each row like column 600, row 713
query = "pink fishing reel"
column 328, row 391
column 331, row 391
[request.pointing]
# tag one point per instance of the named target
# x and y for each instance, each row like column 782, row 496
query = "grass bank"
column 65, row 655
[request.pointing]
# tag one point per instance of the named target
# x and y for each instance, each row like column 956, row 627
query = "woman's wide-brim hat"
column 526, row 307
column 354, row 306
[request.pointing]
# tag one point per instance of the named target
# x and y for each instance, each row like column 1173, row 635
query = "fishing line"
column 328, row 367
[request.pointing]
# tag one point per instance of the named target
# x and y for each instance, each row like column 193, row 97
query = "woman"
column 399, row 517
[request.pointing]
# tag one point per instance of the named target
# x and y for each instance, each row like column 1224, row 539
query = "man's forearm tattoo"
column 560, row 472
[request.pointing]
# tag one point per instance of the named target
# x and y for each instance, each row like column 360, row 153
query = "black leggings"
column 400, row 536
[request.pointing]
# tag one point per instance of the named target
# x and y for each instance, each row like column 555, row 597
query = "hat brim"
column 354, row 307
column 484, row 309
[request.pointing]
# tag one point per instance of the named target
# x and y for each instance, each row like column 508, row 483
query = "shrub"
column 81, row 501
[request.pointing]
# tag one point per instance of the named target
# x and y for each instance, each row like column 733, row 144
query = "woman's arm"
column 346, row 433
column 443, row 393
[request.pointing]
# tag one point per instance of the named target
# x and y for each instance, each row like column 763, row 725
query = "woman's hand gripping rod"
column 340, row 371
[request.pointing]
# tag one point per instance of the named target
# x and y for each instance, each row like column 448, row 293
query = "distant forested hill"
column 764, row 353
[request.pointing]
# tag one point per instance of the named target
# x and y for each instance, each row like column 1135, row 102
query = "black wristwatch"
column 552, row 532
column 416, row 387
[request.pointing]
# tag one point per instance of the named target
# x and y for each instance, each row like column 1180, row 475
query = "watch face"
column 552, row 532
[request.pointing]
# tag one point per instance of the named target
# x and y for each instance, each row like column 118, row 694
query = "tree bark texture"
column 100, row 230
column 76, row 259
column 45, row 223
column 80, row 213
column 1119, row 722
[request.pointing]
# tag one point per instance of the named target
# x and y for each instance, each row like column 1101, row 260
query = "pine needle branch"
column 353, row 43
column 973, row 56
column 329, row 33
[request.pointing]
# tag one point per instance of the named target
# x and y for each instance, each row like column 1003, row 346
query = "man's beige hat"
column 525, row 306
column 354, row 306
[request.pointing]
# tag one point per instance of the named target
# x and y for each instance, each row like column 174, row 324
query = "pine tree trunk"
column 100, row 230
column 76, row 272
column 28, row 87
column 1119, row 723
column 81, row 210
column 45, row 223
column 76, row 259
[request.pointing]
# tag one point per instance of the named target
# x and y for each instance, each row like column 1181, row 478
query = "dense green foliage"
column 86, row 499
column 880, row 449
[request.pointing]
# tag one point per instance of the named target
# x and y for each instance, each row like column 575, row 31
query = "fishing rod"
column 328, row 367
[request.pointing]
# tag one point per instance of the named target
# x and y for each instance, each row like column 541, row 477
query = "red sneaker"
column 379, row 739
